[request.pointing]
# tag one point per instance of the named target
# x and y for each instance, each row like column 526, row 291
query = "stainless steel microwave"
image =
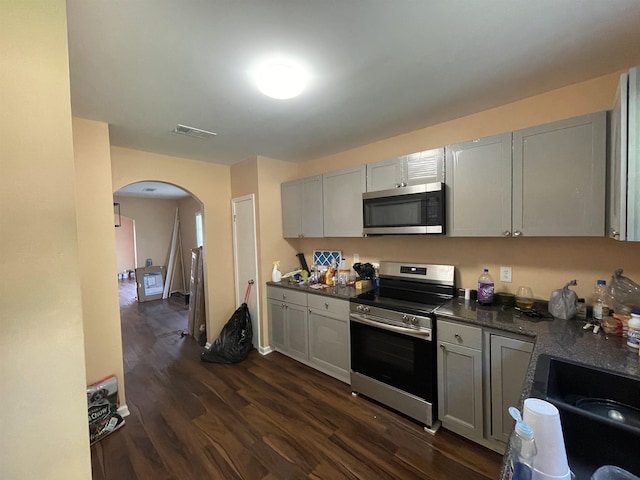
column 418, row 209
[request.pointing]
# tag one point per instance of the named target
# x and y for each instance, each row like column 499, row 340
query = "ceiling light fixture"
column 281, row 79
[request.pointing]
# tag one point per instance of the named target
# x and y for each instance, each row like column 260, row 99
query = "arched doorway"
column 157, row 208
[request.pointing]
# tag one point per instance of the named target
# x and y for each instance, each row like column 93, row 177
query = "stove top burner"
column 374, row 299
column 416, row 289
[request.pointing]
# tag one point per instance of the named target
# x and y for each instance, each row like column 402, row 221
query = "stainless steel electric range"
column 393, row 333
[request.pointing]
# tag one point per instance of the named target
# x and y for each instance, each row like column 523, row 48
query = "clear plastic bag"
column 564, row 302
column 624, row 292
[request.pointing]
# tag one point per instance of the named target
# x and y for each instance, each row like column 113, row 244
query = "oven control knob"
column 359, row 308
column 405, row 319
column 366, row 309
column 414, row 321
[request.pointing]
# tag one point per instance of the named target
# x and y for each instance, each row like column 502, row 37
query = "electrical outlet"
column 505, row 274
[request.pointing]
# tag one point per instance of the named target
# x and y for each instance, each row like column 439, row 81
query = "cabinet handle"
column 614, row 233
column 507, row 233
column 517, row 233
column 442, row 346
column 282, row 306
column 397, row 185
column 326, row 305
column 457, row 335
column 284, row 296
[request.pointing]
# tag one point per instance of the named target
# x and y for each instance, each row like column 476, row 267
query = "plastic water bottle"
column 523, row 450
column 485, row 288
column 601, row 306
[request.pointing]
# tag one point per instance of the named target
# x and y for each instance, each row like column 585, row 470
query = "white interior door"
column 245, row 254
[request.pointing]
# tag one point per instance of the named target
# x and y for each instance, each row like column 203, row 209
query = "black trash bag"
column 234, row 342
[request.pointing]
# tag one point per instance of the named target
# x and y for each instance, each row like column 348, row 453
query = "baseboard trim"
column 123, row 411
column 265, row 350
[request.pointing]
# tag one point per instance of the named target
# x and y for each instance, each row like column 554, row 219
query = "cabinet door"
column 291, row 209
column 310, row 199
column 479, row 187
column 297, row 331
column 342, row 194
column 329, row 343
column 384, row 175
column 460, row 389
column 277, row 333
column 424, row 167
column 509, row 363
column 559, row 178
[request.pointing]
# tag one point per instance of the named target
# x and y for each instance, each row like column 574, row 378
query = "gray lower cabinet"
column 480, row 375
column 288, row 322
column 313, row 329
column 459, row 357
column 329, row 336
column 509, row 360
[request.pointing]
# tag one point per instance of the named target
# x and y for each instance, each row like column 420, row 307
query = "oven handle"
column 424, row 335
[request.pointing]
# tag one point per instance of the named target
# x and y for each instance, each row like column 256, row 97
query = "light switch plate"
column 505, row 274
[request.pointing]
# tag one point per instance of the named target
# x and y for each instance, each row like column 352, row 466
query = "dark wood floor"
column 267, row 417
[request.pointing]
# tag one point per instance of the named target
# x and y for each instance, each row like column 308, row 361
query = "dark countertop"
column 343, row 293
column 559, row 338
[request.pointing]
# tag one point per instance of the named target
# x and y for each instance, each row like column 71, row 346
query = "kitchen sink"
column 599, row 412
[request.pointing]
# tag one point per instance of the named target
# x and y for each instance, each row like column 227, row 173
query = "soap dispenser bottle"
column 276, row 276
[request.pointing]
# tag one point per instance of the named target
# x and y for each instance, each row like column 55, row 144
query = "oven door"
column 403, row 361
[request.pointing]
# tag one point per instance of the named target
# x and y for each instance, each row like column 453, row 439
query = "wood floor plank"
column 266, row 418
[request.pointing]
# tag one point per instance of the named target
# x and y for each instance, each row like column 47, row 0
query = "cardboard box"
column 102, row 404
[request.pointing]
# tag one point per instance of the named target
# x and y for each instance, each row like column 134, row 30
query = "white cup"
column 551, row 461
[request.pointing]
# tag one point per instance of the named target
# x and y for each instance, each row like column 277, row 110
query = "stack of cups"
column 551, row 461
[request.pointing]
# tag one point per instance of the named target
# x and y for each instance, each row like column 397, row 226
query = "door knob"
column 517, row 233
column 506, row 233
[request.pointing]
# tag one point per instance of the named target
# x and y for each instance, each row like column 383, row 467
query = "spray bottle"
column 276, row 276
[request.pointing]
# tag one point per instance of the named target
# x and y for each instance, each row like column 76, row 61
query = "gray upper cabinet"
column 413, row 169
column 623, row 215
column 384, row 175
column 559, row 178
column 302, row 208
column 479, row 187
column 342, row 197
column 544, row 181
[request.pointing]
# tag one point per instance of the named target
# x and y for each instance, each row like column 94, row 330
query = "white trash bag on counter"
column 564, row 302
column 624, row 292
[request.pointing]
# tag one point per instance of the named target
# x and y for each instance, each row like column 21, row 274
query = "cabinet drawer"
column 459, row 334
column 329, row 304
column 287, row 295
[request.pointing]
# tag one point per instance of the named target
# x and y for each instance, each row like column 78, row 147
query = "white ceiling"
column 379, row 67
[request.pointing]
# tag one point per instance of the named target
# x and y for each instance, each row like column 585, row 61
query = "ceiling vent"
column 193, row 132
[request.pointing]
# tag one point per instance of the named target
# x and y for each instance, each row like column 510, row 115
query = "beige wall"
column 154, row 226
column 543, row 263
column 43, row 411
column 209, row 183
column 262, row 176
column 125, row 244
column 98, row 260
